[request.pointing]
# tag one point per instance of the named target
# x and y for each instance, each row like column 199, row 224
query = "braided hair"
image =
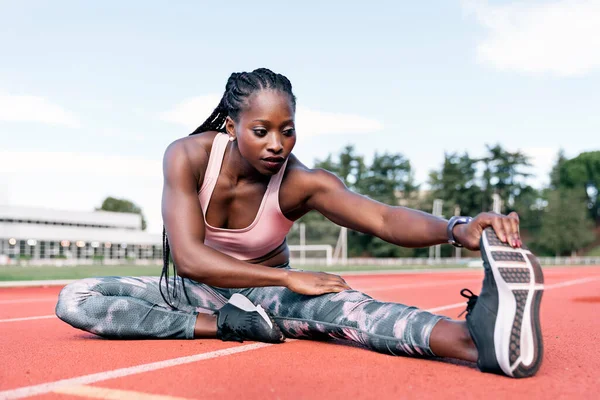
column 238, row 90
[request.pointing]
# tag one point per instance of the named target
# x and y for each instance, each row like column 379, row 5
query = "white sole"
column 517, row 333
column 242, row 302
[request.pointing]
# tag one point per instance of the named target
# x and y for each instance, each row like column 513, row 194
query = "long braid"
column 239, row 88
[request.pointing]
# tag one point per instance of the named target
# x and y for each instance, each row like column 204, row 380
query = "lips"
column 273, row 163
column 274, row 159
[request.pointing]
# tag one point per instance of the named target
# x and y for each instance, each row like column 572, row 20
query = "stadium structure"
column 48, row 235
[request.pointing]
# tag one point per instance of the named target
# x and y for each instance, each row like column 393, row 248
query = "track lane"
column 305, row 369
column 63, row 342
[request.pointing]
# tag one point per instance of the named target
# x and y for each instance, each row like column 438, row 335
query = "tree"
column 565, row 226
column 504, row 175
column 350, row 168
column 456, row 184
column 530, row 205
column 582, row 174
column 557, row 169
column 388, row 179
column 122, row 205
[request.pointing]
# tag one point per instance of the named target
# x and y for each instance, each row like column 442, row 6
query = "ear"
column 230, row 127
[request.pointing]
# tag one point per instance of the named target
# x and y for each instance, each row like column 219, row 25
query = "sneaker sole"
column 520, row 282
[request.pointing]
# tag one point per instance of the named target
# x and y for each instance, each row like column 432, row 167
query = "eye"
column 260, row 132
column 289, row 132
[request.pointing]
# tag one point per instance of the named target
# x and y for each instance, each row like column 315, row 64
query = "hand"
column 315, row 283
column 505, row 226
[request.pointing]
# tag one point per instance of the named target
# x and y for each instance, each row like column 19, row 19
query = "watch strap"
column 456, row 220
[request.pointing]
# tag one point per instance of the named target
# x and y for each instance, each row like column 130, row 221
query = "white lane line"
column 572, row 282
column 121, row 372
column 548, row 287
column 17, row 301
column 28, row 318
column 95, row 392
column 448, row 307
column 102, row 376
column 419, row 284
column 44, row 283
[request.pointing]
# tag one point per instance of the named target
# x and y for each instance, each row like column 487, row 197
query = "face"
column 265, row 131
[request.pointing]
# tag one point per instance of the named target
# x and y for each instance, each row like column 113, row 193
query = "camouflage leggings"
column 132, row 307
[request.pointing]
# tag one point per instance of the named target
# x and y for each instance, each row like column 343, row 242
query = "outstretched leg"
column 389, row 328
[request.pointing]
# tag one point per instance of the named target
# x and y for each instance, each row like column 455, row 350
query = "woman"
column 232, row 190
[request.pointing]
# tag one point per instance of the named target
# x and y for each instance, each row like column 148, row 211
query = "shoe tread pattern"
column 507, row 256
column 493, row 240
column 515, row 335
column 515, row 275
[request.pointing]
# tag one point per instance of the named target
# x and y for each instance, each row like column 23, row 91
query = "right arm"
column 184, row 222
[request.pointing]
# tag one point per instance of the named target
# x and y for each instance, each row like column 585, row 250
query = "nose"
column 275, row 145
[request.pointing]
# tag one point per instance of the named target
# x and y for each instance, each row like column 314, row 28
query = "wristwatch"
column 456, row 220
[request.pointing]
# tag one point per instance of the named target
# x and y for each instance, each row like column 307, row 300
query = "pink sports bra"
column 264, row 234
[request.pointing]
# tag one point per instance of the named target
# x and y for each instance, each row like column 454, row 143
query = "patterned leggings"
column 132, row 307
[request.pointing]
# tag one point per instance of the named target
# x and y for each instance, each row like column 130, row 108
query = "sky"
column 91, row 93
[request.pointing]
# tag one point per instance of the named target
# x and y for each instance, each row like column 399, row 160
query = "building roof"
column 122, row 227
column 116, row 219
column 73, row 233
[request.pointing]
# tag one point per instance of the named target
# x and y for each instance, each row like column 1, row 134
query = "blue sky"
column 92, row 92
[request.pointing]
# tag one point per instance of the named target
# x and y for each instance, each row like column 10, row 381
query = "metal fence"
column 471, row 262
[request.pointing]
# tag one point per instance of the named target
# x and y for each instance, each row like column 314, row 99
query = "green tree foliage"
column 387, row 179
column 557, row 170
column 504, row 174
column 122, row 205
column 565, row 226
column 456, row 183
column 582, row 174
column 469, row 183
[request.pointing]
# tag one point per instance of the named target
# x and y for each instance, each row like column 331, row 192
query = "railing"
column 296, row 261
column 471, row 262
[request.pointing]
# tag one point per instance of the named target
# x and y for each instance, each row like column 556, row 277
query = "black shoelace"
column 471, row 300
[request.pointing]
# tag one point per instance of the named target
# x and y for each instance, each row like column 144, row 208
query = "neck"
column 236, row 167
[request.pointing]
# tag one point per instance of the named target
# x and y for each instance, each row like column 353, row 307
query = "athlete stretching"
column 232, row 190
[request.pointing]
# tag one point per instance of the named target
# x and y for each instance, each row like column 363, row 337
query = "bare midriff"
column 274, row 258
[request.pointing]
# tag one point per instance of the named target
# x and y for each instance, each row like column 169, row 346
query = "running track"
column 42, row 357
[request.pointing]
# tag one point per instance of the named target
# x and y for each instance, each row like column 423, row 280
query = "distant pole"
column 302, row 242
column 435, row 251
column 497, row 204
column 457, row 249
column 341, row 247
column 344, row 245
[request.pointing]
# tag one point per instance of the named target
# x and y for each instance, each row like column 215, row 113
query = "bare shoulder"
column 302, row 182
column 189, row 155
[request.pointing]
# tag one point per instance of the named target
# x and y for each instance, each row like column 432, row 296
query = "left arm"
column 401, row 226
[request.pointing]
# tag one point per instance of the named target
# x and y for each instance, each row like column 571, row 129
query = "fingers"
column 509, row 231
column 513, row 219
column 507, row 228
column 336, row 283
column 498, row 226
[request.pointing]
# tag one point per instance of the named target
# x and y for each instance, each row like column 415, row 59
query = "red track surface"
column 39, row 351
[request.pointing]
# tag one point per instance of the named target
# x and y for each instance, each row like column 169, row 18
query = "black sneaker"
column 504, row 320
column 240, row 320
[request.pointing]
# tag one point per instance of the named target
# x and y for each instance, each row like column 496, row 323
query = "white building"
column 28, row 233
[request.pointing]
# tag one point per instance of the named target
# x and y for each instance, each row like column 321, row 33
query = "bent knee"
column 72, row 297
